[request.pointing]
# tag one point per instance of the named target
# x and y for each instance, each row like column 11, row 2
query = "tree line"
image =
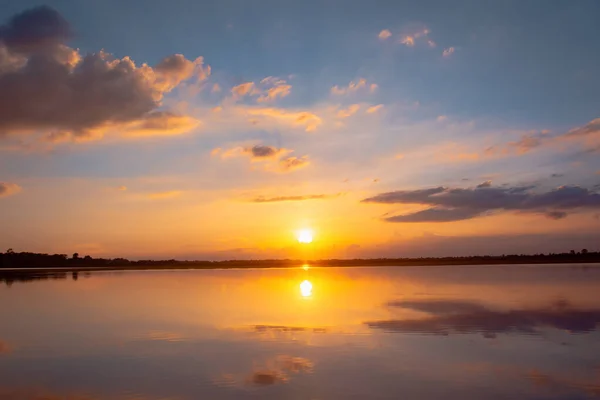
column 12, row 259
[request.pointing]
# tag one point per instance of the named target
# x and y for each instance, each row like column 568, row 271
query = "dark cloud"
column 556, row 175
column 49, row 87
column 454, row 204
column 436, row 215
column 259, row 151
column 8, row 189
column 448, row 317
column 556, row 214
column 294, row 198
column 34, row 29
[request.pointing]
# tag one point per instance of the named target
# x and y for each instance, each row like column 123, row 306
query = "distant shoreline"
column 266, row 264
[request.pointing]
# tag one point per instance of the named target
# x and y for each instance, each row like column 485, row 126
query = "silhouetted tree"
column 584, row 251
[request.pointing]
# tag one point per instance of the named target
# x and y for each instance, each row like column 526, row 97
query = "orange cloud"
column 305, row 119
column 161, row 123
column 215, row 88
column 374, row 109
column 9, row 189
column 385, row 34
column 293, row 163
column 280, row 88
column 348, row 111
column 408, row 40
column 243, row 89
column 352, row 87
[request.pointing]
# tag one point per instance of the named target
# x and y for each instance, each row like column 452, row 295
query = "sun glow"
column 306, row 289
column 305, row 236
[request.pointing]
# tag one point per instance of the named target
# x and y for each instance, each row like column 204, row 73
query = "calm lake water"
column 494, row 332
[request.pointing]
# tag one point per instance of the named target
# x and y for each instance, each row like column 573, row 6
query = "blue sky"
column 371, row 97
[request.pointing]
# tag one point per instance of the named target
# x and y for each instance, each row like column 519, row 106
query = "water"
column 497, row 332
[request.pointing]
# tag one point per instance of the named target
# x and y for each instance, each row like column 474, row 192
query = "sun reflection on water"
column 306, row 288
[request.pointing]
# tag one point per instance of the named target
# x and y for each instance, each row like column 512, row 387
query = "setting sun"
column 305, row 236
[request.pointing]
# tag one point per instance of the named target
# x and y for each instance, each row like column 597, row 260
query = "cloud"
column 37, row 28
column 262, row 199
column 243, row 89
column 353, row 87
column 455, row 204
column 8, row 189
column 411, row 38
column 587, row 136
column 293, row 163
column 385, row 34
column 374, row 109
column 122, row 188
column 448, row 52
column 485, row 184
column 46, row 86
column 278, row 88
column 216, row 88
column 408, row 40
column 165, row 195
column 348, row 112
column 436, row 215
column 463, row 317
column 256, row 153
column 309, row 121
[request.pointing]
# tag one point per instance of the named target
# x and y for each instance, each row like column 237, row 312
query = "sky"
column 219, row 129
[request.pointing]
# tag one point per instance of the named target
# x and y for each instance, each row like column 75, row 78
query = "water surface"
column 473, row 332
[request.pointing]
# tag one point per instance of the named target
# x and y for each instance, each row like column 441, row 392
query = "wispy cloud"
column 165, row 195
column 293, row 163
column 354, row 86
column 262, row 199
column 348, row 112
column 374, row 109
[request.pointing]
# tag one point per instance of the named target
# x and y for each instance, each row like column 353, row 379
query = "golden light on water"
column 305, row 236
column 305, row 267
column 306, row 289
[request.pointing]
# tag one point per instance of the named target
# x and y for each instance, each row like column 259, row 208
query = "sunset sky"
column 219, row 129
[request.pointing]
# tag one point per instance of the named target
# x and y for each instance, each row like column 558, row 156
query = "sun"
column 305, row 236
